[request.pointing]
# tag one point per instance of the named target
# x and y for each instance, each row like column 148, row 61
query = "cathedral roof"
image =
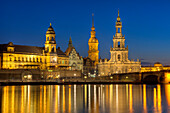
column 60, row 52
column 50, row 30
column 68, row 50
column 22, row 49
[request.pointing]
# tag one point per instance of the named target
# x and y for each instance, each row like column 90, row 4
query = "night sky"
column 146, row 25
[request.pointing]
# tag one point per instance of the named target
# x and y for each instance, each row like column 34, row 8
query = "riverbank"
column 69, row 82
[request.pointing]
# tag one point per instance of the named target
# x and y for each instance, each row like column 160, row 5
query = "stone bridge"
column 145, row 77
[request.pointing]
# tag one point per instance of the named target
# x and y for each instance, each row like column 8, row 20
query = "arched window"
column 118, row 30
column 119, row 44
column 52, row 49
column 52, row 38
column 33, row 59
column 118, row 57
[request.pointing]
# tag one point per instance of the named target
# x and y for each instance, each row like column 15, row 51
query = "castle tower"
column 50, row 43
column 93, row 43
column 119, row 53
column 50, row 49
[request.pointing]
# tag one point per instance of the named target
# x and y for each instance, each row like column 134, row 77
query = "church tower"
column 93, row 43
column 119, row 53
column 50, row 43
column 119, row 62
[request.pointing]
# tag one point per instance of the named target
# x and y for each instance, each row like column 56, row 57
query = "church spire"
column 118, row 12
column 92, row 19
column 70, row 43
column 118, row 18
column 93, row 32
column 92, row 28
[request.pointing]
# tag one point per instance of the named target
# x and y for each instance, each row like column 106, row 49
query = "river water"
column 111, row 98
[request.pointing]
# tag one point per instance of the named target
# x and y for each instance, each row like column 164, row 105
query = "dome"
column 50, row 30
column 93, row 40
column 118, row 19
column 10, row 44
column 158, row 64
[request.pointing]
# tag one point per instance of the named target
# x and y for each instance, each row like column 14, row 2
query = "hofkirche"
column 50, row 57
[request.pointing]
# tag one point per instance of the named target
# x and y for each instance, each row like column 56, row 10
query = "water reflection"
column 112, row 98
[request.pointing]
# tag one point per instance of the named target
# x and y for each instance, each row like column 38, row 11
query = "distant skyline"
column 146, row 25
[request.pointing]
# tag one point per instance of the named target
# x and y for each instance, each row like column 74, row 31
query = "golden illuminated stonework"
column 93, row 43
column 32, row 57
column 119, row 62
column 157, row 67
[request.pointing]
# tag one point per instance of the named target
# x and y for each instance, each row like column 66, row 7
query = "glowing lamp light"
column 85, row 77
column 111, row 77
column 167, row 77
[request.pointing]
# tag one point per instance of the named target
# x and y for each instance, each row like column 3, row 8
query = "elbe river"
column 88, row 98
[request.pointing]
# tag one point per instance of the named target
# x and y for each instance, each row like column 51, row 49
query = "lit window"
column 118, row 57
column 62, row 61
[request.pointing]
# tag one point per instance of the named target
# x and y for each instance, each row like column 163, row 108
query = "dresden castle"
column 50, row 57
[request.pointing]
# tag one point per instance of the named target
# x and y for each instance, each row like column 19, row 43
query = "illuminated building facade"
column 119, row 62
column 32, row 57
column 75, row 61
column 88, row 66
column 93, row 43
column 157, row 67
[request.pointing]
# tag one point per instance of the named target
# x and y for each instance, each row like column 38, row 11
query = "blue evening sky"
column 146, row 25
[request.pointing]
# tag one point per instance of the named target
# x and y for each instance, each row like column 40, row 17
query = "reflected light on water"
column 167, row 93
column 159, row 99
column 154, row 98
column 130, row 99
column 69, row 100
column 144, row 99
column 75, row 110
column 89, row 98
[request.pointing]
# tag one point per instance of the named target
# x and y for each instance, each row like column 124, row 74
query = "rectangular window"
column 118, row 30
column 118, row 44
column 62, row 61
